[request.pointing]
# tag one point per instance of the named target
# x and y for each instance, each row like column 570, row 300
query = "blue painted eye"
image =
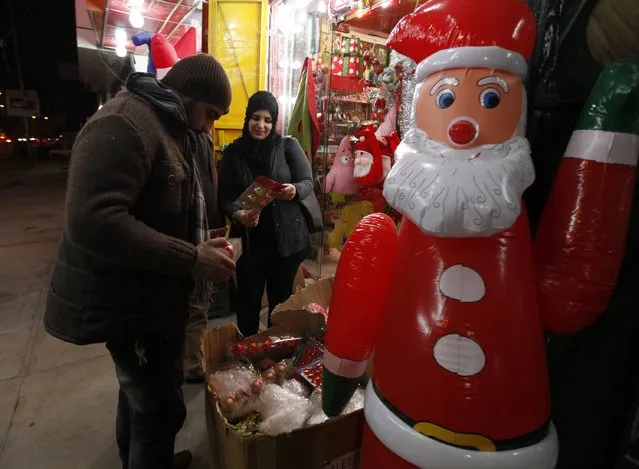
column 490, row 98
column 445, row 99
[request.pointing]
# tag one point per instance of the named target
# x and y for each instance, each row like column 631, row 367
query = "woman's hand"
column 248, row 218
column 288, row 193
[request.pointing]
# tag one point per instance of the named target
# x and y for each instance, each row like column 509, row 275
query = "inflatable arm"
column 582, row 233
column 162, row 54
column 357, row 304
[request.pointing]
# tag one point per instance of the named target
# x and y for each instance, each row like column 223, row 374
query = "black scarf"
column 171, row 110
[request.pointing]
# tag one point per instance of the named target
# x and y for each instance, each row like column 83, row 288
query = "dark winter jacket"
column 125, row 257
column 281, row 222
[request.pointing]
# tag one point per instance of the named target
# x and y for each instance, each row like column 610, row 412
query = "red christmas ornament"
column 239, row 350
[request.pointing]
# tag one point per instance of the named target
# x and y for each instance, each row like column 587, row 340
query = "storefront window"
column 354, row 91
column 294, row 35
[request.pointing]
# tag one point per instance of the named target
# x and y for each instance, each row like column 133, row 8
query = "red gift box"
column 337, row 65
column 352, row 67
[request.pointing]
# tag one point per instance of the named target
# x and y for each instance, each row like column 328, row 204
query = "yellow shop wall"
column 238, row 38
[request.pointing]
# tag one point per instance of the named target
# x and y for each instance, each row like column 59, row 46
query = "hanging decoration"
column 407, row 90
column 162, row 54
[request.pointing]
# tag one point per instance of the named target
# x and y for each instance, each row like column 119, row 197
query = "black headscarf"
column 259, row 151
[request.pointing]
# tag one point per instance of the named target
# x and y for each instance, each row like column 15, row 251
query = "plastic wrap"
column 236, row 389
column 282, row 410
column 296, row 387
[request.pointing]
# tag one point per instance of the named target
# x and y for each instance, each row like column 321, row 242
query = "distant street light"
column 33, row 117
column 46, row 118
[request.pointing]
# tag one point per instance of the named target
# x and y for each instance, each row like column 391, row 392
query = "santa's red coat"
column 478, row 292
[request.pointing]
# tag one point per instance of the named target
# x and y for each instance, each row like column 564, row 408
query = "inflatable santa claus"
column 455, row 304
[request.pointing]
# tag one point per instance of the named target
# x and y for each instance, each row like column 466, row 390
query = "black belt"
column 522, row 441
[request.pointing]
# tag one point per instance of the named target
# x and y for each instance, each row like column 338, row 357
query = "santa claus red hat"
column 367, row 141
column 446, row 34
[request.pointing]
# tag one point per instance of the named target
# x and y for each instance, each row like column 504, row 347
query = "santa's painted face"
column 468, row 108
column 458, row 193
column 363, row 163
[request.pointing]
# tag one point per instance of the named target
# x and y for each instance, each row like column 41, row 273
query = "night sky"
column 46, row 37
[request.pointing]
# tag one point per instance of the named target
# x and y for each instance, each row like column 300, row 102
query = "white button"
column 459, row 355
column 462, row 283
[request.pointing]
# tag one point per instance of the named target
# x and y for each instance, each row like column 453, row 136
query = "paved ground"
column 57, row 401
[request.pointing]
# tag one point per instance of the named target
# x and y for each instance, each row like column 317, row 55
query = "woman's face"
column 260, row 124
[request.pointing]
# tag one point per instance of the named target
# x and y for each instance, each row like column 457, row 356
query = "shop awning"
column 171, row 18
column 380, row 16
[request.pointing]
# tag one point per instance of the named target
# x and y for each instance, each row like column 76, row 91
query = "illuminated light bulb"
column 120, row 50
column 295, row 65
column 321, row 7
column 135, row 18
column 387, row 3
column 283, row 63
column 136, row 3
column 120, row 36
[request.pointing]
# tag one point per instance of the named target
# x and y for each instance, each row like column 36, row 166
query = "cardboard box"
column 331, row 445
column 298, row 284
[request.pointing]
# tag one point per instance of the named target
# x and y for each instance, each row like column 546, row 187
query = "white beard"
column 363, row 164
column 459, row 193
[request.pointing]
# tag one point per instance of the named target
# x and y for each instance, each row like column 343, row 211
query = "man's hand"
column 213, row 262
column 288, row 193
column 217, row 233
column 248, row 218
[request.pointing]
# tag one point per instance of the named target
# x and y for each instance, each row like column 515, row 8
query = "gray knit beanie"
column 201, row 78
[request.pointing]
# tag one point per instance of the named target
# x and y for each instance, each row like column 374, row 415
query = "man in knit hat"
column 136, row 253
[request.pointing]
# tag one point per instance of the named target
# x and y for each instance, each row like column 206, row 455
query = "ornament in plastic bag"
column 283, row 411
column 235, row 389
column 275, row 347
column 296, row 387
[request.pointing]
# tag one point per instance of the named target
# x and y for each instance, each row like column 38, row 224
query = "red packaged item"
column 259, row 194
column 311, row 353
column 317, row 309
column 313, row 374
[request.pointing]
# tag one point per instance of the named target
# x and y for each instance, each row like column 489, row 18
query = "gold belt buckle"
column 466, row 440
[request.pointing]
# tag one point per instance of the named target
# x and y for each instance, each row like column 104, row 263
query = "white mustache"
column 459, row 193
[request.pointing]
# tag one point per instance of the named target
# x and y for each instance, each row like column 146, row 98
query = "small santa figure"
column 451, row 303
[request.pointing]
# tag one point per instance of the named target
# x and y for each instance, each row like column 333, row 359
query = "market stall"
column 461, row 297
column 354, row 89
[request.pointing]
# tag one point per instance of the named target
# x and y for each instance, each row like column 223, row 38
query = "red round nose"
column 462, row 132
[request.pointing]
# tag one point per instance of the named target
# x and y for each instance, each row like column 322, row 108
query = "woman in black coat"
column 275, row 240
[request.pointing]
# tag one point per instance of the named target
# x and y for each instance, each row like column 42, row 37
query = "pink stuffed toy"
column 340, row 178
